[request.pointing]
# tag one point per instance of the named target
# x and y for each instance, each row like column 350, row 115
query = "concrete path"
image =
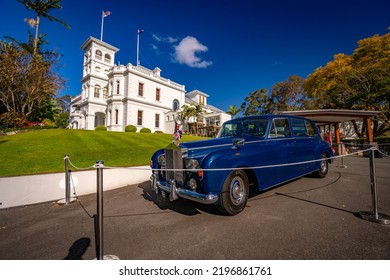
column 308, row 218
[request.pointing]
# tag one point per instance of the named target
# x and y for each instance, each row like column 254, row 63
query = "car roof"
column 268, row 116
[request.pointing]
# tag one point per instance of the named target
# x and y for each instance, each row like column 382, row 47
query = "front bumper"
column 176, row 192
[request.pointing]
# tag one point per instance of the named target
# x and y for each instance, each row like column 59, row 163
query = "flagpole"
column 137, row 47
column 139, row 31
column 101, row 29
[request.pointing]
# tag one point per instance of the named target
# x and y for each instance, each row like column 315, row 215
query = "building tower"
column 98, row 61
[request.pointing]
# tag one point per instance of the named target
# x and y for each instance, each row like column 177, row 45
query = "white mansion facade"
column 116, row 96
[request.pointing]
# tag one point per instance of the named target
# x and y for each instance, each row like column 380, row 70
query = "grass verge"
column 43, row 151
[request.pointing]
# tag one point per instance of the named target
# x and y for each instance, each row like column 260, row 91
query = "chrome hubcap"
column 237, row 190
column 323, row 166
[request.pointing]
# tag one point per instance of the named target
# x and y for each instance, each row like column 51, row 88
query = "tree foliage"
column 360, row 81
column 28, row 80
column 289, row 96
column 256, row 103
column 42, row 9
column 233, row 110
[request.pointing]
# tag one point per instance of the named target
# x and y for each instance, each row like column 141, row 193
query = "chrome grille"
column 174, row 160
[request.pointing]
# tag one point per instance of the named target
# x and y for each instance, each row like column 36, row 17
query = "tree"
column 27, row 80
column 233, row 110
column 256, row 103
column 64, row 102
column 289, row 96
column 42, row 8
column 360, row 81
column 192, row 111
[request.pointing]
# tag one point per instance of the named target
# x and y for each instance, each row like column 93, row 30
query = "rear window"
column 279, row 128
column 303, row 127
column 299, row 127
column 310, row 128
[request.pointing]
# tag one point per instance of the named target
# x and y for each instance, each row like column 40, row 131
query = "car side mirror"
column 237, row 142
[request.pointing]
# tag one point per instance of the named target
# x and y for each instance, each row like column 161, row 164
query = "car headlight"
column 191, row 163
column 161, row 160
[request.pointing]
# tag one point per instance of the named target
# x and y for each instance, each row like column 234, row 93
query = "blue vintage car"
column 251, row 152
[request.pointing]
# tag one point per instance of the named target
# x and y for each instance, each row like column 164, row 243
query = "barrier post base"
column 109, row 258
column 375, row 217
column 64, row 202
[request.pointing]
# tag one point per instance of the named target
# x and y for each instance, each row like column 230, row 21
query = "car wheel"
column 321, row 173
column 234, row 195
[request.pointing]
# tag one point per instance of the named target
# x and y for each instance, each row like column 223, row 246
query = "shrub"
column 47, row 122
column 12, row 120
column 145, row 130
column 130, row 128
column 101, row 128
column 158, row 131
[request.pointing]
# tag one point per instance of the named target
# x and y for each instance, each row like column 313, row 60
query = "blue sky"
column 226, row 49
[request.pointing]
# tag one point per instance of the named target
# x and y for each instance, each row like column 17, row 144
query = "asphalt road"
column 308, row 218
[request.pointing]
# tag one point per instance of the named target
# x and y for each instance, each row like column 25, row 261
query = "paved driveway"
column 308, row 218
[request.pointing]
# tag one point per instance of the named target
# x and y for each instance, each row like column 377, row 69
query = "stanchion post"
column 373, row 215
column 341, row 153
column 99, row 208
column 68, row 198
column 67, row 180
column 98, row 218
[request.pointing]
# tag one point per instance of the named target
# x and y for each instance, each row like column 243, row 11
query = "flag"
column 139, row 31
column 30, row 22
column 106, row 14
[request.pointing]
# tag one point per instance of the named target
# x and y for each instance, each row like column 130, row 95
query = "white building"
column 116, row 96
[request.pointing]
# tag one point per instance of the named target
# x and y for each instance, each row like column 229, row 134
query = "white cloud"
column 161, row 39
column 186, row 52
column 156, row 37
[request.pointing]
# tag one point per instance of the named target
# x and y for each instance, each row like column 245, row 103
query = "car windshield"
column 235, row 128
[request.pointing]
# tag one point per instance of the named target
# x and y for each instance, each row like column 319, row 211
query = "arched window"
column 98, row 54
column 175, row 105
column 107, row 57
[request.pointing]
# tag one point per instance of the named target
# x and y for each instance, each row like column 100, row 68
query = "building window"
column 97, row 69
column 175, row 105
column 157, row 94
column 105, row 93
column 139, row 118
column 157, row 120
column 116, row 116
column 201, row 100
column 97, row 92
column 107, row 58
column 140, row 89
column 117, row 87
column 98, row 54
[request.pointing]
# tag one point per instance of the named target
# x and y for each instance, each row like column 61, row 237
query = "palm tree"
column 233, row 111
column 29, row 45
column 42, row 8
column 193, row 110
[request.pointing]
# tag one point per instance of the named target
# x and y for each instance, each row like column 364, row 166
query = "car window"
column 229, row 129
column 299, row 127
column 254, row 127
column 310, row 128
column 279, row 128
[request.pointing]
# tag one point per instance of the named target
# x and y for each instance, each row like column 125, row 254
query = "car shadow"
column 293, row 195
column 182, row 206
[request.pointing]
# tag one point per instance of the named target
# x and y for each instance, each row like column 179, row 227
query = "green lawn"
column 43, row 151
